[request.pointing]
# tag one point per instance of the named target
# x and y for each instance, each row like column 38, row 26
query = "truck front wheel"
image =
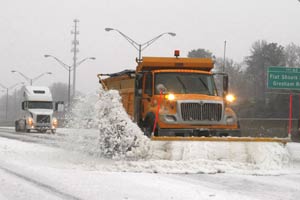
column 17, row 128
column 25, row 128
column 148, row 129
column 148, row 126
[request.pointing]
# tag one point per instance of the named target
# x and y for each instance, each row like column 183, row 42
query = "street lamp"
column 7, row 89
column 31, row 80
column 69, row 68
column 137, row 46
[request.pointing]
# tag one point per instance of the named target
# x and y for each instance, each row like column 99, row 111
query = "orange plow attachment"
column 222, row 139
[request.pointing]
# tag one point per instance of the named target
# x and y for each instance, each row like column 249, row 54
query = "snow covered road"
column 39, row 167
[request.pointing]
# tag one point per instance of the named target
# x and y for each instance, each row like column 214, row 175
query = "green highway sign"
column 284, row 78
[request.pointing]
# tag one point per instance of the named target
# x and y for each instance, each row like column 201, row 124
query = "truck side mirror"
column 59, row 106
column 225, row 85
column 23, row 105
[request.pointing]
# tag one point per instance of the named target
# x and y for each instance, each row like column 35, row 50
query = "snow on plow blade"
column 243, row 152
column 222, row 139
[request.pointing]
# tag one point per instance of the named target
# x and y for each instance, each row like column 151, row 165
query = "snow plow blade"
column 222, row 139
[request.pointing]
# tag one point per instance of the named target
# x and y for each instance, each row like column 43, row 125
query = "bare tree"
column 292, row 55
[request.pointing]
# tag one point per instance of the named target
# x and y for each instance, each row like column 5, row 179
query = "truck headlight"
column 170, row 97
column 30, row 121
column 54, row 122
column 230, row 98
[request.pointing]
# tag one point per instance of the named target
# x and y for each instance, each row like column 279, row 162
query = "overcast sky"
column 29, row 29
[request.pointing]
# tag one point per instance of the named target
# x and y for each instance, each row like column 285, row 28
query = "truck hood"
column 41, row 111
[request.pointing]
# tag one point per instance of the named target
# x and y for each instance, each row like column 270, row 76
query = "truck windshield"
column 186, row 83
column 40, row 105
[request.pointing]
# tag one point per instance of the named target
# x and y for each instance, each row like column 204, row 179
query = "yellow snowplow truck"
column 173, row 98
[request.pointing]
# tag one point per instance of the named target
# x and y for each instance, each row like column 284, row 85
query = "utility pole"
column 224, row 60
column 75, row 43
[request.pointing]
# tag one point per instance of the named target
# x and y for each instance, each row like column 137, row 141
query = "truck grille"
column 43, row 118
column 201, row 111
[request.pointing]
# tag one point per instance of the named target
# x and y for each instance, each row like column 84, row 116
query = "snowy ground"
column 47, row 167
column 102, row 154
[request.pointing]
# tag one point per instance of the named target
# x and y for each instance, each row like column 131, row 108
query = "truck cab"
column 37, row 111
column 175, row 97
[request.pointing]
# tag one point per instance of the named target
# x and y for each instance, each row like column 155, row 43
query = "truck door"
column 138, row 88
column 147, row 92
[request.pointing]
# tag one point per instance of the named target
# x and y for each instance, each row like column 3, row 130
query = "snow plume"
column 119, row 137
column 83, row 113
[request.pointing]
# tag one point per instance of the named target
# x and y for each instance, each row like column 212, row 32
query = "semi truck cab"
column 37, row 111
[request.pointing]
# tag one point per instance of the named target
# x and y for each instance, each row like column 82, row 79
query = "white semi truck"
column 37, row 111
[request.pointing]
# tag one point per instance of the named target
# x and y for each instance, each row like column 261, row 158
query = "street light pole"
column 39, row 76
column 7, row 89
column 69, row 69
column 137, row 46
column 224, row 59
column 75, row 50
column 31, row 80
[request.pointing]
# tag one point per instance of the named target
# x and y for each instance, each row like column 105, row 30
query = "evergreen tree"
column 200, row 53
column 261, row 102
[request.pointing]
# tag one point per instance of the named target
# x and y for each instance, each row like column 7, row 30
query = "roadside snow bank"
column 211, row 158
column 263, row 154
column 294, row 149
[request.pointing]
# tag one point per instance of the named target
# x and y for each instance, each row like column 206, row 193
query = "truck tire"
column 149, row 124
column 17, row 129
column 53, row 131
column 148, row 127
column 21, row 125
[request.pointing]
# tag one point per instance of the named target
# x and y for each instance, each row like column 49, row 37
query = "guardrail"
column 269, row 127
column 7, row 123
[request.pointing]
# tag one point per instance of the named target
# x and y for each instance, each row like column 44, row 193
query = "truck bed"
column 125, row 86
